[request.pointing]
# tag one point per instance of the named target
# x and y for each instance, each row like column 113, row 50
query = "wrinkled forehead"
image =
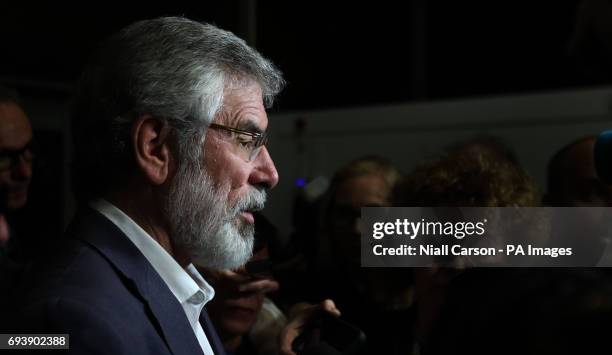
column 15, row 129
column 243, row 107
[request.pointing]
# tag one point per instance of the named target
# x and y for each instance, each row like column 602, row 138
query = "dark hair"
column 478, row 175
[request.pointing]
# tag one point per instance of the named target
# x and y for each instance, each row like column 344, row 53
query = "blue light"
column 300, row 182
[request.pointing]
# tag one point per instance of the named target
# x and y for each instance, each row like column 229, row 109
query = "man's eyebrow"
column 250, row 126
column 28, row 145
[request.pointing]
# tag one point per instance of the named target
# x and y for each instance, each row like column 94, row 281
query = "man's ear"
column 150, row 137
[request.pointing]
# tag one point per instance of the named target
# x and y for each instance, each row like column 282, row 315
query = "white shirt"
column 187, row 285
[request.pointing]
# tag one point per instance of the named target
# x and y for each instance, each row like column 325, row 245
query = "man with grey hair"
column 169, row 125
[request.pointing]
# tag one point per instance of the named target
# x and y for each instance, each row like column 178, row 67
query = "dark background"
column 333, row 54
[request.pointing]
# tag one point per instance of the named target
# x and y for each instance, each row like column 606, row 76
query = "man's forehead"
column 15, row 129
column 243, row 108
column 256, row 124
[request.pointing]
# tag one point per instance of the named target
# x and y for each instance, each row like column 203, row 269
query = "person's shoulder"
column 82, row 293
column 91, row 330
column 77, row 272
column 70, row 262
column 75, row 263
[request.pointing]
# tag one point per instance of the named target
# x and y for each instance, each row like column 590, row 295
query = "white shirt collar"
column 187, row 284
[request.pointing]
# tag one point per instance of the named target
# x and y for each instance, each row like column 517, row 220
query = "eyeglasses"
column 249, row 143
column 10, row 157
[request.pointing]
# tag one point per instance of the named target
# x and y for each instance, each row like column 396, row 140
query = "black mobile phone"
column 330, row 335
column 259, row 268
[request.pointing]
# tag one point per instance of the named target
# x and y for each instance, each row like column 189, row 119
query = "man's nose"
column 264, row 172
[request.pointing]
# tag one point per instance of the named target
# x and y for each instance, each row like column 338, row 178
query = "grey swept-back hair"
column 172, row 68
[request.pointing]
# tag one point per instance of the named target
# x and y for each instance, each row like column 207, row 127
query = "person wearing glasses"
column 15, row 159
column 169, row 124
column 170, row 164
column 15, row 176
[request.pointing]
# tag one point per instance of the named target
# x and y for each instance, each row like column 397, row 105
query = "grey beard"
column 202, row 223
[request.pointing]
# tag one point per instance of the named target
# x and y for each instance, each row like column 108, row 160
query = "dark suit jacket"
column 103, row 292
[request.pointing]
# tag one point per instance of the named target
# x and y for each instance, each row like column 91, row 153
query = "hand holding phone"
column 316, row 329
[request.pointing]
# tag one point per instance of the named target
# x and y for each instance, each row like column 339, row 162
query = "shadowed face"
column 346, row 225
column 15, row 162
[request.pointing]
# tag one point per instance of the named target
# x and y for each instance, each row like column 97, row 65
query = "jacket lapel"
column 96, row 230
column 171, row 317
column 211, row 333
